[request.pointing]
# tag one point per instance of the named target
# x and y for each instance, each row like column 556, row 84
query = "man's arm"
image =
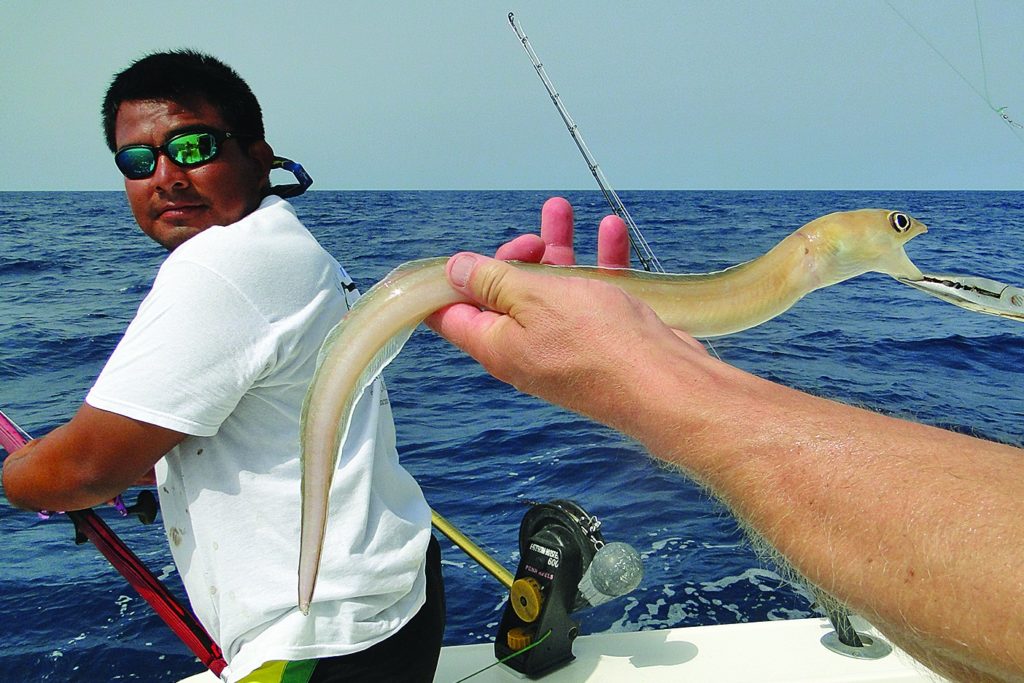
column 919, row 529
column 88, row 461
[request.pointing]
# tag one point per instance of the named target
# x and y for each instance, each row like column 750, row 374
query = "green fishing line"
column 506, row 658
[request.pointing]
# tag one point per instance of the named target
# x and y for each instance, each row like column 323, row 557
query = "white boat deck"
column 761, row 652
column 765, row 652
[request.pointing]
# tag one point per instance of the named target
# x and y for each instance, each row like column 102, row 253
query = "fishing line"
column 506, row 658
column 983, row 92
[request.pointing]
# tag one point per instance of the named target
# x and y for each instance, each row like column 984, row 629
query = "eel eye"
column 899, row 221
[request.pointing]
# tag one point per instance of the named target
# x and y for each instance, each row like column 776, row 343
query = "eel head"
column 867, row 240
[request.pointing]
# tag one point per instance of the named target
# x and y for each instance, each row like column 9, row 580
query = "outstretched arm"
column 919, row 529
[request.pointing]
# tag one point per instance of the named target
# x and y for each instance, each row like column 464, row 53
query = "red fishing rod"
column 89, row 526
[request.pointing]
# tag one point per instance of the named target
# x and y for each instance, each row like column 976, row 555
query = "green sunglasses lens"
column 136, row 162
column 192, row 149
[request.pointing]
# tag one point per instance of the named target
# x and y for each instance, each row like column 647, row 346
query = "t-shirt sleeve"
column 195, row 346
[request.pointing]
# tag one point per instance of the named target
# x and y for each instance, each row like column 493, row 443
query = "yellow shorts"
column 282, row 672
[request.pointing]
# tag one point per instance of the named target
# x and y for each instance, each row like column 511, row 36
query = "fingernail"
column 459, row 268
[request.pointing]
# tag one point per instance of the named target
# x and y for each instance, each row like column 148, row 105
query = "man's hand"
column 554, row 245
column 561, row 338
column 535, row 331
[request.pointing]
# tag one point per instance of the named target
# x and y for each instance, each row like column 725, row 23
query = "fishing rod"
column 475, row 552
column 89, row 526
column 640, row 246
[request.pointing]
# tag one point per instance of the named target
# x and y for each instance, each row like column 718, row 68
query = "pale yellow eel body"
column 827, row 250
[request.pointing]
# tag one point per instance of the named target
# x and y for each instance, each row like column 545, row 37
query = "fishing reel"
column 145, row 510
column 565, row 566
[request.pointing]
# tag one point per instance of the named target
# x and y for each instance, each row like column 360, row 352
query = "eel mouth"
column 899, row 266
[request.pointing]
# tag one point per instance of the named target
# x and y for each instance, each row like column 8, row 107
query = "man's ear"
column 263, row 155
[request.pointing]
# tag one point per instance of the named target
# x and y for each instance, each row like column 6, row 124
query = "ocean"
column 74, row 267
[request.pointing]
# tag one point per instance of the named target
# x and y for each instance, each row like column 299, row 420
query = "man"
column 206, row 386
column 918, row 529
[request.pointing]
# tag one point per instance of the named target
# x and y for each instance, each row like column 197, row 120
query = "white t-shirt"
column 223, row 349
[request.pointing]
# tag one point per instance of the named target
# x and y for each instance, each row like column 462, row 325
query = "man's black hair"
column 184, row 76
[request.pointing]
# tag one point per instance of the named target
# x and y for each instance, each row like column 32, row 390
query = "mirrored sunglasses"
column 187, row 150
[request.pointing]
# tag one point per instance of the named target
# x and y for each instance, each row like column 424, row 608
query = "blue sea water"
column 73, row 268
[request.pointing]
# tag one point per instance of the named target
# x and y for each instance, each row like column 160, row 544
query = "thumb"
column 487, row 335
column 488, row 282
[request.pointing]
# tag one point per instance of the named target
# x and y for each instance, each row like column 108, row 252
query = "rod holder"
column 848, row 641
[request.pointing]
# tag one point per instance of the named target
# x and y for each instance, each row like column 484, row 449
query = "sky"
column 685, row 94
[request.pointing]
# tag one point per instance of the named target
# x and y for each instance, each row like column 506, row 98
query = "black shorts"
column 409, row 655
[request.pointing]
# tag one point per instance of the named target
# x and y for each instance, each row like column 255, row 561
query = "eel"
column 826, row 251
